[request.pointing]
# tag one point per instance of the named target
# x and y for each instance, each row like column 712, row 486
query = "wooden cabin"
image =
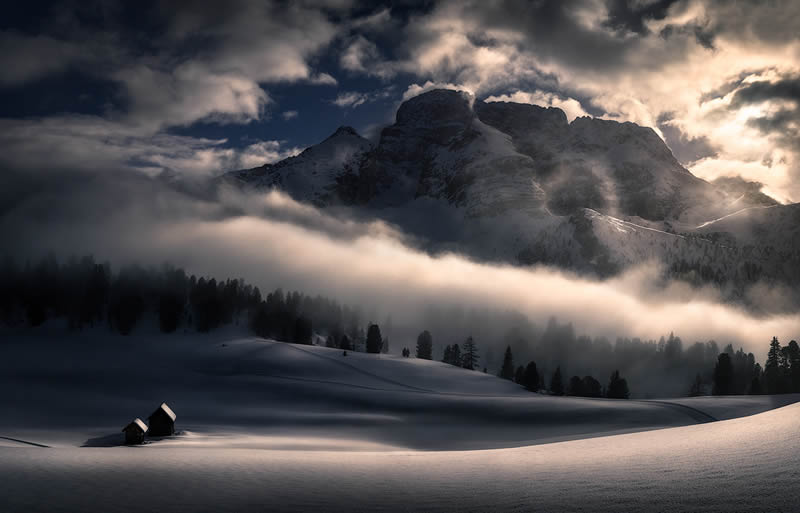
column 134, row 432
column 162, row 421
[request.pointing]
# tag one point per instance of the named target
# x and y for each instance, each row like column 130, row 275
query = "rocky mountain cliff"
column 518, row 183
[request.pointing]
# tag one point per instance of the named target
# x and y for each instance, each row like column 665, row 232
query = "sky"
column 200, row 88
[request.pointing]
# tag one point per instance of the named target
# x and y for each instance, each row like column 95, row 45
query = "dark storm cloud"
column 552, row 30
column 630, row 16
column 782, row 122
column 787, row 88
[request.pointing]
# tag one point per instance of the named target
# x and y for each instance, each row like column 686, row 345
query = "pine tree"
column 772, row 368
column 519, row 375
column 530, row 378
column 425, row 345
column 447, row 356
column 617, row 387
column 507, row 370
column 374, row 339
column 723, row 375
column 557, row 383
column 470, row 357
column 455, row 355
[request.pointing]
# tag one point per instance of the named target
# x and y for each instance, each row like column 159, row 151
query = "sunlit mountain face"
column 400, row 256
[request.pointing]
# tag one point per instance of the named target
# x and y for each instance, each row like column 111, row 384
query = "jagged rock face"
column 519, row 183
column 438, row 148
column 404, row 164
column 594, row 163
column 489, row 158
column 538, row 132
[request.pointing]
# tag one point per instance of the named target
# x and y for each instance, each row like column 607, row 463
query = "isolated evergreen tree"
column 470, row 356
column 345, row 344
column 772, row 368
column 557, row 383
column 723, row 375
column 617, row 387
column 530, row 378
column 425, row 345
column 374, row 339
column 519, row 375
column 507, row 370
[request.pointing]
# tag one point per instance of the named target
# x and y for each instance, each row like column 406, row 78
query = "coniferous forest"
column 88, row 294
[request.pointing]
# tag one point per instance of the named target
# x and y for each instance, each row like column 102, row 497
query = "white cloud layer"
column 273, row 241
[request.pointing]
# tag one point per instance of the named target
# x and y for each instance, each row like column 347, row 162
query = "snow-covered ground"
column 272, row 426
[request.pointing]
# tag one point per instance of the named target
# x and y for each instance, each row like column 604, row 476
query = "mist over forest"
column 81, row 294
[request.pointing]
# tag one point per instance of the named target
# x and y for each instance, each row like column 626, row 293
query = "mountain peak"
column 436, row 106
column 345, row 130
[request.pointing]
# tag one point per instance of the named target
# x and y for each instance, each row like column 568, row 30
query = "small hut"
column 134, row 432
column 162, row 421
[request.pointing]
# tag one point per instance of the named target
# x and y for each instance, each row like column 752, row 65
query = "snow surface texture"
column 746, row 464
column 271, row 426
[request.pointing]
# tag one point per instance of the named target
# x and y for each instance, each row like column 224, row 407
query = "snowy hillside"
column 258, row 421
column 218, row 384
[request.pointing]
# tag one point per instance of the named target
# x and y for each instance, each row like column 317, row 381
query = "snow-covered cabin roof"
column 137, row 423
column 166, row 409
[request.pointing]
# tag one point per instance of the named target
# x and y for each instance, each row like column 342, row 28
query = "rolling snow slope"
column 745, row 464
column 220, row 384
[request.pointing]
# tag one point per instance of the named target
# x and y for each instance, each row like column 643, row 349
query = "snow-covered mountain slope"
column 317, row 174
column 518, row 183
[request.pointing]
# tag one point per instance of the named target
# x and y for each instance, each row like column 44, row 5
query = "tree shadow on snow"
column 112, row 440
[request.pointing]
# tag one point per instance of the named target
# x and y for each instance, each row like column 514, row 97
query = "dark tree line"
column 529, row 377
column 87, row 293
column 652, row 368
column 737, row 373
column 465, row 355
